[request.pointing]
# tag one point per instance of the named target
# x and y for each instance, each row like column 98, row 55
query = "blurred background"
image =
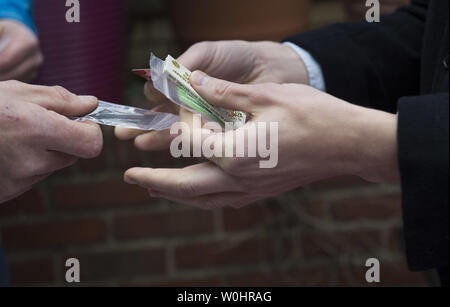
column 320, row 235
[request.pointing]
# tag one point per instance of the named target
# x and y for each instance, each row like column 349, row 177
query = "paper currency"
column 172, row 79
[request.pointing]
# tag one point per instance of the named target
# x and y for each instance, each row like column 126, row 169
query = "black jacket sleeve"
column 375, row 65
column 423, row 138
column 371, row 64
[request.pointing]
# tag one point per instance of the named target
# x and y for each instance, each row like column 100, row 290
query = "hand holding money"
column 319, row 136
column 237, row 61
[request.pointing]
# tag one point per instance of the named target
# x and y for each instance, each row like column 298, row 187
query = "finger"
column 225, row 94
column 54, row 98
column 215, row 143
column 4, row 41
column 125, row 134
column 210, row 202
column 198, row 56
column 25, row 71
column 79, row 139
column 128, row 134
column 196, row 180
column 62, row 101
column 55, row 161
column 154, row 141
column 168, row 107
column 16, row 52
column 153, row 94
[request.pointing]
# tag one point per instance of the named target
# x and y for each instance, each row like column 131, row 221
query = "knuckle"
column 222, row 89
column 262, row 93
column 205, row 45
column 60, row 93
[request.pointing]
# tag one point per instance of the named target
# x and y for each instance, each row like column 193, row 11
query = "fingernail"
column 199, row 78
column 89, row 99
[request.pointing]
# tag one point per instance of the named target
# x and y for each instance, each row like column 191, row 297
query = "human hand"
column 20, row 55
column 319, row 136
column 37, row 138
column 236, row 61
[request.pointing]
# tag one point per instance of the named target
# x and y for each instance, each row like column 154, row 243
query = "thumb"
column 221, row 93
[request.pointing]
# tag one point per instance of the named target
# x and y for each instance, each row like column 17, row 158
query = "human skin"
column 37, row 137
column 237, row 61
column 320, row 136
column 20, row 54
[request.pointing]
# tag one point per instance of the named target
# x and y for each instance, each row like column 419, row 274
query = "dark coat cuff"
column 423, row 139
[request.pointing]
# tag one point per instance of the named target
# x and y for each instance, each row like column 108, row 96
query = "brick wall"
column 319, row 235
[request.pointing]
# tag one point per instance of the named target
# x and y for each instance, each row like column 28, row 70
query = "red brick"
column 30, row 203
column 248, row 217
column 335, row 244
column 163, row 159
column 391, row 274
column 316, row 209
column 309, row 277
column 178, row 282
column 120, row 265
column 109, row 194
column 32, row 272
column 372, row 208
column 125, row 154
column 54, row 234
column 94, row 165
column 224, row 253
column 165, row 224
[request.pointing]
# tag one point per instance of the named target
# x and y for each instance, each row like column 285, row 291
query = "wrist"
column 376, row 146
column 283, row 62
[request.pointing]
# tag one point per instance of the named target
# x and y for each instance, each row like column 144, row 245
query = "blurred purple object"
column 86, row 57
